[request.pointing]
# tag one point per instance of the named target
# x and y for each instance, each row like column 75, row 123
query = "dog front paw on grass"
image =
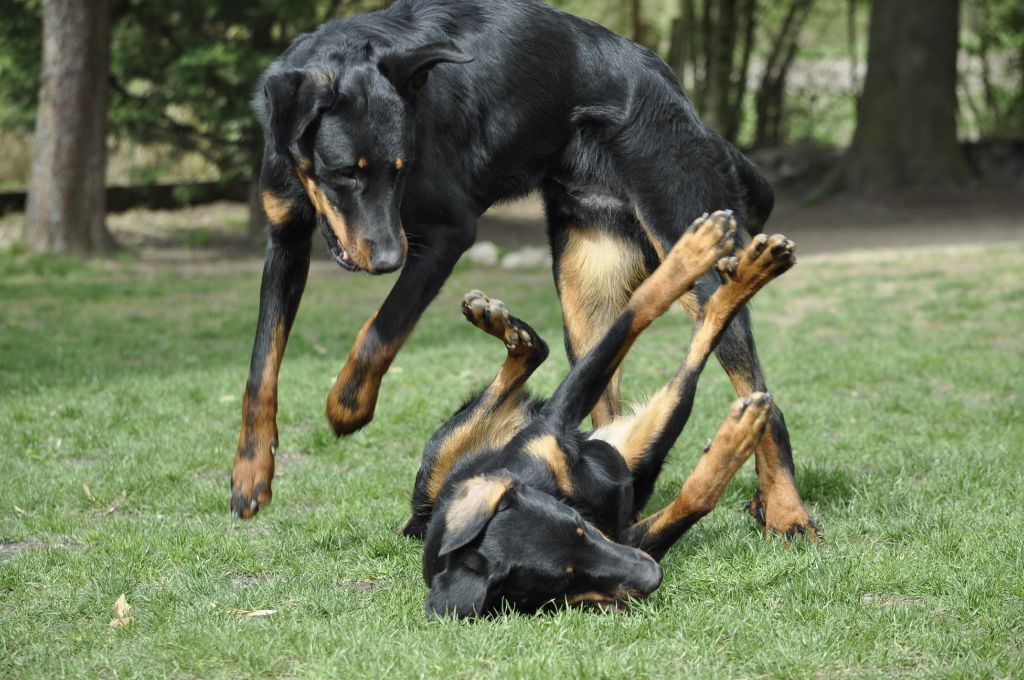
column 251, row 482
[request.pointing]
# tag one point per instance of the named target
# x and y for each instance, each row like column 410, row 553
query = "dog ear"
column 473, row 508
column 296, row 98
column 408, row 70
column 458, row 591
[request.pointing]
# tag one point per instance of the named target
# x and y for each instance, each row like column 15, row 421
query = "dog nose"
column 654, row 577
column 386, row 258
column 646, row 575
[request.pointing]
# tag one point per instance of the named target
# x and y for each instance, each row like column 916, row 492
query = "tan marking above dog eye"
column 579, row 531
column 362, row 163
column 399, row 164
column 569, row 569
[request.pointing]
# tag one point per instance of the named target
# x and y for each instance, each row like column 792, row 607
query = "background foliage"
column 182, row 73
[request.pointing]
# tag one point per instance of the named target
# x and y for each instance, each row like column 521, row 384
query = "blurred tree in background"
column 66, row 210
column 764, row 73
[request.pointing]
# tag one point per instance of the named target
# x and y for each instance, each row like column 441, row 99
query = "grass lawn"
column 900, row 374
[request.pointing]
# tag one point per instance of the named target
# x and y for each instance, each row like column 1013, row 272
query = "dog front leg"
column 284, row 278
column 351, row 402
column 489, row 420
column 735, row 441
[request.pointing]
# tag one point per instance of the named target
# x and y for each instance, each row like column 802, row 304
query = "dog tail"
column 760, row 198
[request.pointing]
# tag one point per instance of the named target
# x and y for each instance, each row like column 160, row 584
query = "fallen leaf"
column 116, row 503
column 121, row 609
column 227, row 398
column 19, row 510
column 88, row 493
column 249, row 613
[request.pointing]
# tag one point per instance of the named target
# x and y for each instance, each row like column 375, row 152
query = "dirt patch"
column 891, row 600
column 244, row 581
column 362, row 585
column 10, row 550
column 285, row 459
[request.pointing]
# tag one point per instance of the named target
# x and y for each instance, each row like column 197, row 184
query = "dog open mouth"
column 337, row 251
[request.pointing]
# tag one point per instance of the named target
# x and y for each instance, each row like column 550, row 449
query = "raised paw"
column 706, row 240
column 764, row 259
column 742, row 430
column 250, row 480
column 492, row 317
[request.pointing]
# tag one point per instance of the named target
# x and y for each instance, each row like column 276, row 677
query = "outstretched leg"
column 600, row 257
column 645, row 438
column 707, row 239
column 735, row 441
column 776, row 504
column 291, row 222
column 433, row 251
column 490, row 419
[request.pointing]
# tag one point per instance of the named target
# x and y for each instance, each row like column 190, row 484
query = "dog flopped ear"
column 473, row 508
column 296, row 98
column 408, row 70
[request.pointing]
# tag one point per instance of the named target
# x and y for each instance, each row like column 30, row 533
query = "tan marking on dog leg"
column 352, row 400
column 546, row 448
column 597, row 273
column 632, row 435
column 254, row 473
column 707, row 239
column 733, row 444
column 484, row 430
column 276, row 209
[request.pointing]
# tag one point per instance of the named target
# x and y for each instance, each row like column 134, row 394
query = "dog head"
column 346, row 124
column 498, row 541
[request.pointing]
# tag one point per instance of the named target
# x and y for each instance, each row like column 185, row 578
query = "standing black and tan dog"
column 394, row 131
column 521, row 508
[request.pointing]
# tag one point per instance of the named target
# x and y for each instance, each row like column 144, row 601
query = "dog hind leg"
column 735, row 441
column 703, row 243
column 645, row 438
column 596, row 270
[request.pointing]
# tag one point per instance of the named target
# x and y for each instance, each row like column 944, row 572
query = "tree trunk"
column 769, row 103
column 66, row 206
column 637, row 15
column 906, row 118
column 722, row 42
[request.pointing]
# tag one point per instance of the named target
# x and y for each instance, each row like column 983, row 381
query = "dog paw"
column 764, row 259
column 706, row 240
column 782, row 514
column 250, row 480
column 492, row 317
column 352, row 400
column 742, row 430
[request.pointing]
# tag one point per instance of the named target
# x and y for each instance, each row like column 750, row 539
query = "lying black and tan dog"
column 393, row 132
column 521, row 508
